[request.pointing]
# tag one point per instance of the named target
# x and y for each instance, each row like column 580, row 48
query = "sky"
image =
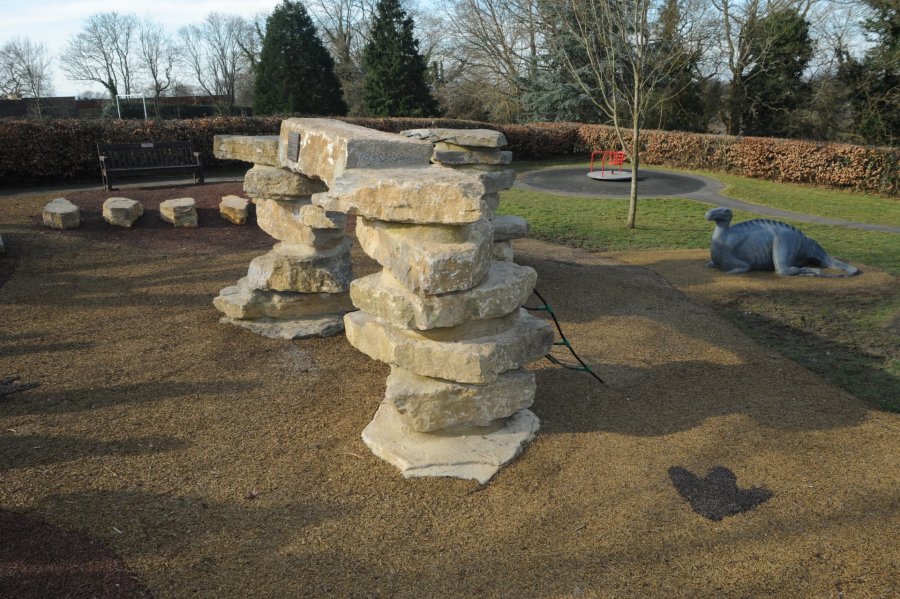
column 54, row 22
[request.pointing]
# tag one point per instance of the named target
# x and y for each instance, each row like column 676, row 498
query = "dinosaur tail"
column 849, row 269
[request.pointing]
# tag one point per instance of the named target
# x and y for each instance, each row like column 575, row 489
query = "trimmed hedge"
column 37, row 152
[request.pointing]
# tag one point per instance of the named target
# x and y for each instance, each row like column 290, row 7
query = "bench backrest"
column 132, row 155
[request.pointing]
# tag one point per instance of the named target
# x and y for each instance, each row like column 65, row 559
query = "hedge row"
column 35, row 152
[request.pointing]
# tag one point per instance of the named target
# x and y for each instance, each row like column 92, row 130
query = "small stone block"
column 61, row 214
column 279, row 184
column 506, row 287
column 477, row 453
column 181, row 212
column 122, row 212
column 509, row 227
column 429, row 259
column 426, row 404
column 474, row 352
column 234, row 209
column 502, row 251
column 294, row 267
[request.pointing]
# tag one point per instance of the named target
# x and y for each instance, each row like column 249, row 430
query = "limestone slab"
column 427, row 404
column 300, row 328
column 279, row 184
column 509, row 227
column 506, row 287
column 502, row 251
column 327, row 148
column 284, row 220
column 477, row 453
column 181, row 212
column 293, row 267
column 122, row 212
column 428, row 194
column 234, row 209
column 241, row 301
column 319, row 218
column 475, row 352
column 429, row 259
column 452, row 155
column 495, row 181
column 258, row 149
column 480, row 138
column 61, row 214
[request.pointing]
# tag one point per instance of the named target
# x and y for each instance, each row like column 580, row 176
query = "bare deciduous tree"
column 104, row 52
column 157, row 58
column 213, row 51
column 25, row 70
column 611, row 49
column 497, row 54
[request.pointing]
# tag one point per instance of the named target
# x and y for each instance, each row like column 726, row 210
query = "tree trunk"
column 635, row 161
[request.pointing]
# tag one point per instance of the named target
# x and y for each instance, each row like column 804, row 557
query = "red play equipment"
column 608, row 158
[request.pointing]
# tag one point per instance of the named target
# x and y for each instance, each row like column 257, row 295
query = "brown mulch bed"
column 218, row 463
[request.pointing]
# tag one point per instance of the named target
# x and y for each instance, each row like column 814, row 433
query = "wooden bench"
column 119, row 161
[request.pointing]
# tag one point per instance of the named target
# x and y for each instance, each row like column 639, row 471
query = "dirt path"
column 222, row 464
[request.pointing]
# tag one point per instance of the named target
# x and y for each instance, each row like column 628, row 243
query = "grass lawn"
column 854, row 342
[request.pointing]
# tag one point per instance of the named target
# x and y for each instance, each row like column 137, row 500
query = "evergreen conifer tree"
column 395, row 82
column 295, row 73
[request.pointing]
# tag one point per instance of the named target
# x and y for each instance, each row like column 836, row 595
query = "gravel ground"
column 217, row 463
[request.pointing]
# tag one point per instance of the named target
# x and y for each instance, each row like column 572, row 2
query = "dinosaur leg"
column 738, row 268
column 784, row 256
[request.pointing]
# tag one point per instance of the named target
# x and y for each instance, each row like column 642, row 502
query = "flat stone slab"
column 181, row 212
column 234, row 209
column 426, row 195
column 326, row 149
column 285, row 221
column 293, row 267
column 241, row 301
column 279, row 184
column 300, row 328
column 258, row 149
column 506, row 287
column 61, row 214
column 479, row 138
column 122, row 212
column 476, row 453
column 509, row 227
column 429, row 259
column 457, row 155
column 474, row 352
column 427, row 404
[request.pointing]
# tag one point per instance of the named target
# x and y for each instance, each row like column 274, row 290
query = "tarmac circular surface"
column 574, row 181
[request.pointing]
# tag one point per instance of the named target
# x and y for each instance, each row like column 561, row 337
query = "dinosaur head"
column 720, row 215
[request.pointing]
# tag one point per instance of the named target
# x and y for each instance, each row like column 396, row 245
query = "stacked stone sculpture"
column 443, row 312
column 300, row 288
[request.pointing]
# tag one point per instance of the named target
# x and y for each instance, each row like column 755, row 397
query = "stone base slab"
column 475, row 453
column 300, row 328
column 243, row 302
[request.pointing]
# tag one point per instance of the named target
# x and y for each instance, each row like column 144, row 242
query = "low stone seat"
column 122, row 212
column 181, row 212
column 61, row 214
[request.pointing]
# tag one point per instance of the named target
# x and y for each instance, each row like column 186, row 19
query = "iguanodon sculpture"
column 763, row 244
